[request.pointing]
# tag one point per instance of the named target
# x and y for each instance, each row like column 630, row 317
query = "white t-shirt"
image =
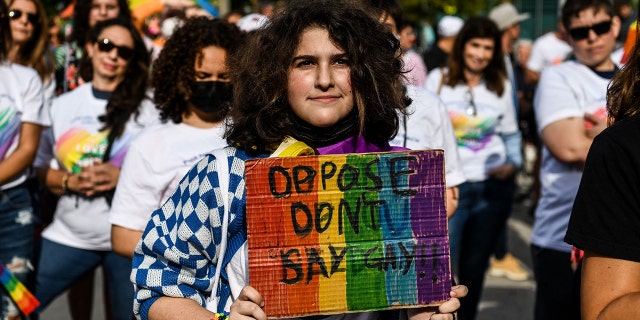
column 77, row 141
column 414, row 68
column 566, row 90
column 547, row 50
column 21, row 100
column 428, row 127
column 156, row 162
column 479, row 144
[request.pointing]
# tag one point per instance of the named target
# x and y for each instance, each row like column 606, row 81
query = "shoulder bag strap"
column 222, row 167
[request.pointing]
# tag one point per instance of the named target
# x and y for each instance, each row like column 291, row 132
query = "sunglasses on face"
column 16, row 14
column 105, row 45
column 581, row 33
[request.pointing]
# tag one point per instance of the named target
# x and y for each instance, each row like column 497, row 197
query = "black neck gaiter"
column 317, row 137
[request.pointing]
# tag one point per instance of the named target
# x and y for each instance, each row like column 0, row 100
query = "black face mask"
column 211, row 96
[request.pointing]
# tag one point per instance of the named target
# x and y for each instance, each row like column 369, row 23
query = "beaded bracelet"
column 221, row 316
column 64, row 184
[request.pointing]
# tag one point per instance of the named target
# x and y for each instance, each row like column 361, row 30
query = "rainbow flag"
column 346, row 233
column 25, row 301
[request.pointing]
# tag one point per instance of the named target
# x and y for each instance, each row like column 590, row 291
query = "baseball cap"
column 506, row 15
column 251, row 22
column 449, row 26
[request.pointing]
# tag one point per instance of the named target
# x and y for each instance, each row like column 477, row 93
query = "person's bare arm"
column 569, row 141
column 169, row 308
column 531, row 77
column 610, row 288
column 451, row 198
column 124, row 240
column 24, row 154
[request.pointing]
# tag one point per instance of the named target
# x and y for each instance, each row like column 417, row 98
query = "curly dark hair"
column 129, row 93
column 81, row 19
column 495, row 73
column 261, row 114
column 35, row 52
column 173, row 73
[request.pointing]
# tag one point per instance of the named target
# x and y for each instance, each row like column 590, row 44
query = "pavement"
column 502, row 298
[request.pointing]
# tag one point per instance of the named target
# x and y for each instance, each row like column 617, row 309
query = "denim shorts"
column 17, row 234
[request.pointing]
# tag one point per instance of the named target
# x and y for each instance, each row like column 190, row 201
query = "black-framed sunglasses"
column 16, row 14
column 581, row 33
column 105, row 45
column 471, row 110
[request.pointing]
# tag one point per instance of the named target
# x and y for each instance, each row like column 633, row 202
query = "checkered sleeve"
column 177, row 254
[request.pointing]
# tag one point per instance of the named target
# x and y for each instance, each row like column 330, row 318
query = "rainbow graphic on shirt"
column 79, row 148
column 9, row 125
column 25, row 301
column 472, row 132
column 347, row 233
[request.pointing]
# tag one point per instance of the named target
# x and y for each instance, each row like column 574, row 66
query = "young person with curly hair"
column 324, row 73
column 92, row 127
column 193, row 93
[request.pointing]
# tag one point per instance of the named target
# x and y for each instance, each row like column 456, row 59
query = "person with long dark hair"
column 30, row 44
column 323, row 74
column 91, row 129
column 23, row 115
column 69, row 73
column 477, row 94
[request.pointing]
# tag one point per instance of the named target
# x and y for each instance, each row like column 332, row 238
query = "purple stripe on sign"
column 432, row 248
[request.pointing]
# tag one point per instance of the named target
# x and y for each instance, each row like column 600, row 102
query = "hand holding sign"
column 354, row 232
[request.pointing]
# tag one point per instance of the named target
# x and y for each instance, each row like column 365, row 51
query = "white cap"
column 251, row 22
column 506, row 15
column 449, row 26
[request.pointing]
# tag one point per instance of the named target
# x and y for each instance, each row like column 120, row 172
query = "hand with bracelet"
column 95, row 179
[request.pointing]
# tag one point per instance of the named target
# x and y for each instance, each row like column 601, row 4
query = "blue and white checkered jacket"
column 179, row 249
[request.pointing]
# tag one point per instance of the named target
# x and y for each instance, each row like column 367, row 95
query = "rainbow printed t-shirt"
column 76, row 140
column 568, row 90
column 477, row 136
column 21, row 100
column 9, row 124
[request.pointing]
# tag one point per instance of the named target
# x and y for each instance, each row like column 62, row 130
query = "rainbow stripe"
column 25, row 301
column 376, row 249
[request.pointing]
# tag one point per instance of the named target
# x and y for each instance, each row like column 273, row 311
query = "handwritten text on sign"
column 343, row 233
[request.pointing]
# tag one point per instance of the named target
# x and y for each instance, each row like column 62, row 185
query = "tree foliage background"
column 431, row 10
column 415, row 10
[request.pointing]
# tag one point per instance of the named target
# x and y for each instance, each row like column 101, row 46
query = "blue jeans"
column 61, row 266
column 481, row 216
column 16, row 239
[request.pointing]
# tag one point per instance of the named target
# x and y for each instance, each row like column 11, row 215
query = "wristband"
column 65, row 182
column 221, row 316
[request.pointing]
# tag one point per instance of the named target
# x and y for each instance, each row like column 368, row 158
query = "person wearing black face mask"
column 193, row 92
column 211, row 97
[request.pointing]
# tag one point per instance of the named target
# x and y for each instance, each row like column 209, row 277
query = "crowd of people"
column 124, row 136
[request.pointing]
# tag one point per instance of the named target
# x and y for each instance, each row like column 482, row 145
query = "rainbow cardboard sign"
column 345, row 233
